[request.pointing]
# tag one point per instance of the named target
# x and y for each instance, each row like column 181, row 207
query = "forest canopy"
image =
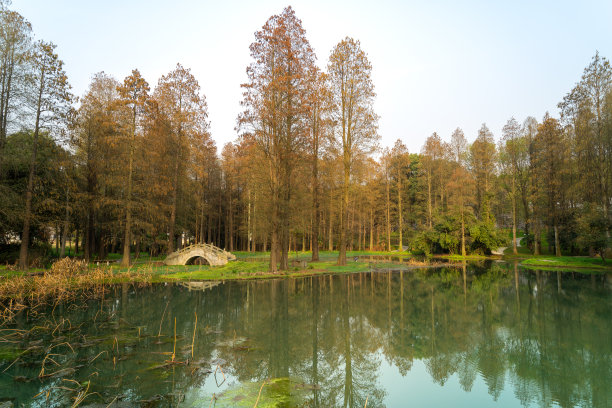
column 131, row 167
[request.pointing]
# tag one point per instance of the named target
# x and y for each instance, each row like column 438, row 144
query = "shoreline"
column 17, row 284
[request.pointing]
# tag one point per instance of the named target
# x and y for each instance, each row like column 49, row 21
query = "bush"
column 593, row 226
column 485, row 237
column 68, row 267
column 40, row 254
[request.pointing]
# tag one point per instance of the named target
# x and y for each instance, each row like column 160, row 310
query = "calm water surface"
column 477, row 336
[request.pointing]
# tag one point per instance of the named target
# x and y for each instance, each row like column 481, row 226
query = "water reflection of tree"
column 510, row 328
column 501, row 329
column 546, row 336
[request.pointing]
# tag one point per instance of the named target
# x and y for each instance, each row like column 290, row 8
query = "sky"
column 437, row 65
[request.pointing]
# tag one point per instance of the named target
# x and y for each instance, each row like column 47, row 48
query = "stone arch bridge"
column 213, row 255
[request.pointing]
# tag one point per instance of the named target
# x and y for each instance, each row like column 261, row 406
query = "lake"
column 488, row 334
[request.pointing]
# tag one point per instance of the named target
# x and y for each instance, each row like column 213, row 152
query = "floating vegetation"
column 272, row 393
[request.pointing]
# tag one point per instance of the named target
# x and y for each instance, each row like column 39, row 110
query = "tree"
column 482, row 163
column 586, row 108
column 401, row 161
column 353, row 95
column 178, row 97
column 526, row 184
column 94, row 127
column 49, row 103
column 432, row 153
column 512, row 154
column 319, row 126
column 133, row 93
column 593, row 227
column 15, row 47
column 275, row 102
column 550, row 168
column 459, row 146
column 461, row 193
column 230, row 172
column 385, row 160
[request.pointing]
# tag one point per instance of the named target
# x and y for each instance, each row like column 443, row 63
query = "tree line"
column 130, row 169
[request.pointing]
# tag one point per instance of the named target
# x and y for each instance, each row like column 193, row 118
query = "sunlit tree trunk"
column 344, row 208
column 399, row 208
column 371, row 229
column 171, row 233
column 388, row 213
column 125, row 261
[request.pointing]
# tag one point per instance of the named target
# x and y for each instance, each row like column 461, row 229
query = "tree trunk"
column 462, row 232
column 344, row 212
column 557, row 244
column 315, row 191
column 274, row 252
column 248, row 243
column 388, row 217
column 25, row 235
column 137, row 248
column 231, row 222
column 429, row 210
column 371, row 230
column 66, row 225
column 125, row 260
column 202, row 218
column 399, row 208
column 331, row 220
column 536, row 239
column 58, row 234
column 317, row 219
column 5, row 98
column 171, row 232
column 360, row 232
column 527, row 215
column 76, row 242
column 514, row 249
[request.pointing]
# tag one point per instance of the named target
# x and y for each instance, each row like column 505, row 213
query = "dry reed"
column 67, row 279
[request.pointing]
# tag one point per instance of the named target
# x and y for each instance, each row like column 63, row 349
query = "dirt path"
column 500, row 250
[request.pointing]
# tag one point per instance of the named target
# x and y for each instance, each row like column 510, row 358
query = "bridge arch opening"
column 197, row 260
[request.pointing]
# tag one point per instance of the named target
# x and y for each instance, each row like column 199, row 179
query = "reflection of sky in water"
column 416, row 389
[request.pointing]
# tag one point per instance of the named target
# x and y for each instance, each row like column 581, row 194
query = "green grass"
column 10, row 272
column 524, row 251
column 242, row 269
column 306, row 255
column 250, row 270
column 568, row 262
column 456, row 257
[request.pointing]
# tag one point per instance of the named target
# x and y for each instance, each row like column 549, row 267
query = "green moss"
column 277, row 392
column 9, row 354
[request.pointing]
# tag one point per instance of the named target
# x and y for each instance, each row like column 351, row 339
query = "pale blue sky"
column 437, row 65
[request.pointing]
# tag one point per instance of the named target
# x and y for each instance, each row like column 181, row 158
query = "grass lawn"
column 462, row 258
column 568, row 262
column 306, row 255
column 243, row 270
